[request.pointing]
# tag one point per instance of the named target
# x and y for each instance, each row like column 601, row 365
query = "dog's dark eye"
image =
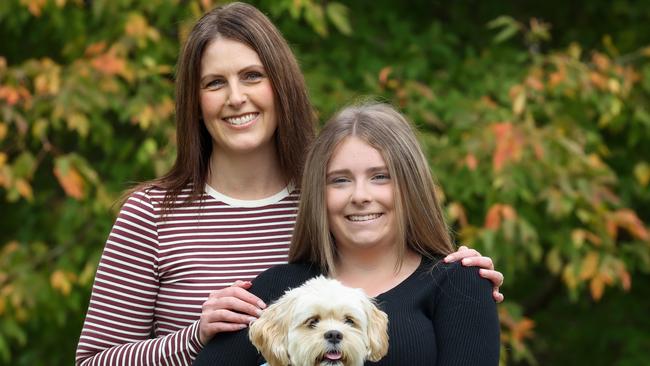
column 349, row 321
column 311, row 323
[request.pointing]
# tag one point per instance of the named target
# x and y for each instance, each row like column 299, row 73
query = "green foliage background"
column 535, row 117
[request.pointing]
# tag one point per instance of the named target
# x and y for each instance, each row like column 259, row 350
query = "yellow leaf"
column 61, row 282
column 589, row 266
column 78, row 122
column 457, row 213
column 3, row 130
column 519, row 103
column 24, row 189
column 554, row 261
column 136, row 25
column 3, row 159
column 641, row 172
column 646, row 51
column 10, row 248
column 70, row 180
column 569, row 277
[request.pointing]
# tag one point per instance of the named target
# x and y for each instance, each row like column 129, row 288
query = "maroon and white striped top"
column 156, row 272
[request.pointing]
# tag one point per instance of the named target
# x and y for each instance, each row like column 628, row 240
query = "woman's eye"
column 253, row 76
column 215, row 84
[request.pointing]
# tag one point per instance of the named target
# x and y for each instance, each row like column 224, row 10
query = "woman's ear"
column 269, row 333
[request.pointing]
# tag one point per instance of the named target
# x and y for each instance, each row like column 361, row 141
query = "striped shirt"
column 156, row 272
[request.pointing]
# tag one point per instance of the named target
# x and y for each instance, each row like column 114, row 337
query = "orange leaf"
column 598, row 80
column 597, row 287
column 509, row 144
column 95, row 49
column 109, row 64
column 523, row 329
column 539, row 150
column 601, row 61
column 71, row 181
column 34, row 6
column 471, row 161
column 383, row 75
column 628, row 220
column 508, row 212
column 493, row 219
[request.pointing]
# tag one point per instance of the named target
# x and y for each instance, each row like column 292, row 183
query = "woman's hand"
column 228, row 310
column 472, row 258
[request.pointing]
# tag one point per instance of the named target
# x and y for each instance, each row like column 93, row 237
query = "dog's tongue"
column 333, row 355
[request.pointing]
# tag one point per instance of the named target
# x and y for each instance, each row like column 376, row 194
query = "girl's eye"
column 381, row 176
column 338, row 180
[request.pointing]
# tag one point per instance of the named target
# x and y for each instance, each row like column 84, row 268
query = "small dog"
column 321, row 323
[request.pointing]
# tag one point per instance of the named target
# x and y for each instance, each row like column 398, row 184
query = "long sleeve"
column 120, row 322
column 466, row 322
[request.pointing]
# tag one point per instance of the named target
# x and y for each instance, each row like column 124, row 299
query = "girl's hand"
column 228, row 310
column 472, row 258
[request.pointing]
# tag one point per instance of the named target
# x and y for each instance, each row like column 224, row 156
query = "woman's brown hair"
column 296, row 119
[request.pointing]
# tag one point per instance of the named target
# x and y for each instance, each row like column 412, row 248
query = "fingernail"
column 261, row 304
column 251, row 319
column 242, row 326
column 258, row 312
column 466, row 261
column 446, row 259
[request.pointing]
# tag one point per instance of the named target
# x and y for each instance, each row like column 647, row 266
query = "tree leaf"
column 339, row 14
column 69, row 178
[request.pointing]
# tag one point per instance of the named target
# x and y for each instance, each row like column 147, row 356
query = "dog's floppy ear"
column 269, row 333
column 377, row 332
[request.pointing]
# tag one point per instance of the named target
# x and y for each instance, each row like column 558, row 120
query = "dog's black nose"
column 333, row 336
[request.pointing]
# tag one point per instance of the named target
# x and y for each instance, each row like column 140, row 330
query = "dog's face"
column 321, row 323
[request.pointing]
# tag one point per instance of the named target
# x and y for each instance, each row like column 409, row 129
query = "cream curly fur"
column 292, row 331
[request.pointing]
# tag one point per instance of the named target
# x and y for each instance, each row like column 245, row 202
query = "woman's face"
column 359, row 197
column 236, row 98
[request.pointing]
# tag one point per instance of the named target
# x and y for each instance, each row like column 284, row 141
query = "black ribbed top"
column 442, row 314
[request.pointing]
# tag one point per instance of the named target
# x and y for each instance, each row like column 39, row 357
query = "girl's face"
column 236, row 98
column 359, row 197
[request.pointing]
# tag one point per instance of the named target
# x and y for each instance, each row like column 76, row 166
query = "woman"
column 226, row 210
column 369, row 217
